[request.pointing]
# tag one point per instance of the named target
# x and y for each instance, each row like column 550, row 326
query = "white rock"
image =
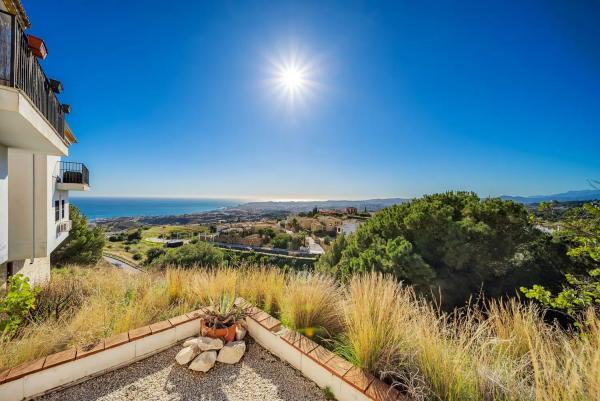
column 232, row 352
column 240, row 332
column 204, row 361
column 207, row 343
column 191, row 341
column 187, row 354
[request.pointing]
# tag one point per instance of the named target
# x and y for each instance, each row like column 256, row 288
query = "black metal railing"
column 73, row 173
column 19, row 68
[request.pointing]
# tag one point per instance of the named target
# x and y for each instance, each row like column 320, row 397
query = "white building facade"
column 34, row 136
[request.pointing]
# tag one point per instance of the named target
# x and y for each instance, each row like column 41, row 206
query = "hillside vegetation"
column 500, row 351
column 453, row 244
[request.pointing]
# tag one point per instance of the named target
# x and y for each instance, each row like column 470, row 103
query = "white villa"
column 34, row 136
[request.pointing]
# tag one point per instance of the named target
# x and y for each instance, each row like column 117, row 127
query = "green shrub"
column 154, row 253
column 16, row 304
column 200, row 254
column 138, row 256
column 135, row 235
column 455, row 244
column 281, row 241
column 83, row 245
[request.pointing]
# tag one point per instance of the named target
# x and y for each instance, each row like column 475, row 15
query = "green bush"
column 281, row 241
column 83, row 245
column 154, row 253
column 16, row 304
column 199, row 254
column 454, row 244
column 137, row 256
column 135, row 236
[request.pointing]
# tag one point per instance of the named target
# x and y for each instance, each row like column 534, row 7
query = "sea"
column 107, row 207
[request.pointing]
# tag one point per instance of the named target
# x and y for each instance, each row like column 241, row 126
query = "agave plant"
column 223, row 312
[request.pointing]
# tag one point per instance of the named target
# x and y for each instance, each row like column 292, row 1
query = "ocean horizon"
column 95, row 208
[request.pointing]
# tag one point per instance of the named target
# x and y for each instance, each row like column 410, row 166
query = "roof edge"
column 16, row 7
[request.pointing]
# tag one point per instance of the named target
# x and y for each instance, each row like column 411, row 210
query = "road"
column 314, row 248
column 122, row 265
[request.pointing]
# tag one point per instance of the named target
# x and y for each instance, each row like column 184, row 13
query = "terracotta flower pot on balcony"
column 37, row 46
column 226, row 334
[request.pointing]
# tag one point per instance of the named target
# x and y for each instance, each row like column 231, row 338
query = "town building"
column 349, row 226
column 34, row 137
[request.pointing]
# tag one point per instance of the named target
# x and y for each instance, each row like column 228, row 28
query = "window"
column 63, row 209
column 56, row 210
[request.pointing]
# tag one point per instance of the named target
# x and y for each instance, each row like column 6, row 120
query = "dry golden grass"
column 504, row 351
column 311, row 305
column 263, row 287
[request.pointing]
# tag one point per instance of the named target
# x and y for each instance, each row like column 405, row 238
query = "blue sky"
column 406, row 98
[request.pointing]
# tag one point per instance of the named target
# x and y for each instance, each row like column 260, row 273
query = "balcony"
column 31, row 116
column 64, row 226
column 73, row 177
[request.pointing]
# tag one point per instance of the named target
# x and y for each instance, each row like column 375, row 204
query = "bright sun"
column 292, row 78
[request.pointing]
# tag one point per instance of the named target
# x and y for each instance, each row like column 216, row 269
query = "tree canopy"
column 190, row 255
column 453, row 241
column 83, row 245
column 580, row 229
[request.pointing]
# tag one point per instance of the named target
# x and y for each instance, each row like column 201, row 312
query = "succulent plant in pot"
column 219, row 319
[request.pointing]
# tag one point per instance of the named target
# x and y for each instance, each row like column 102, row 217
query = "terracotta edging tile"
column 338, row 365
column 90, row 349
column 290, row 336
column 116, row 340
column 260, row 316
column 160, row 326
column 3, row 374
column 139, row 333
column 321, row 355
column 25, row 369
column 253, row 311
column 304, row 344
column 270, row 323
column 197, row 314
column 358, row 378
column 380, row 391
column 177, row 320
column 60, row 357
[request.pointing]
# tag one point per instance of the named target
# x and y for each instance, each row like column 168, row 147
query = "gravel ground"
column 259, row 376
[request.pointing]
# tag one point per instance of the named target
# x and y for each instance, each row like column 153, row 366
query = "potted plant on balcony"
column 37, row 46
column 219, row 320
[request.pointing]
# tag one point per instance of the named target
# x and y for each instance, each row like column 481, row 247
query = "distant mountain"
column 305, row 206
column 583, row 195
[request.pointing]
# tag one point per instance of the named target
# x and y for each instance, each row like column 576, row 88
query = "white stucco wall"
column 3, row 204
column 38, row 271
column 21, row 203
column 54, row 237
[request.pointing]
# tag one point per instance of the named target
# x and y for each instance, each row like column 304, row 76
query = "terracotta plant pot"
column 37, row 46
column 227, row 335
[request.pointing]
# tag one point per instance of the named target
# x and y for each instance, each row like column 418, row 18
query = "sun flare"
column 292, row 78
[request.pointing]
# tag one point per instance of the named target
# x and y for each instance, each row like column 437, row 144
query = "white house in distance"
column 34, row 181
column 349, row 226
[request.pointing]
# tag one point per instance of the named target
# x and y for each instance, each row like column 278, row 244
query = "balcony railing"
column 73, row 173
column 19, row 68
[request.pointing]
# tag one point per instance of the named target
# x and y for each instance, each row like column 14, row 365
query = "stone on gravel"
column 204, row 361
column 232, row 352
column 259, row 376
column 187, row 354
column 207, row 343
column 240, row 332
column 190, row 341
